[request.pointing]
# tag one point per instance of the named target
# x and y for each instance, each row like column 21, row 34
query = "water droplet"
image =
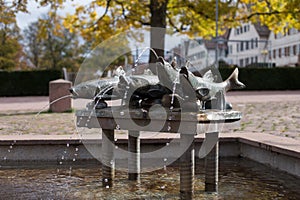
column 60, row 162
column 86, row 125
column 74, row 159
column 116, row 139
column 118, row 127
column 8, row 150
column 75, row 154
column 11, row 147
column 76, row 149
column 165, row 167
column 15, row 141
column 122, row 113
column 65, row 151
column 105, row 180
column 163, row 187
column 167, row 143
column 62, row 157
column 171, row 108
column 68, row 144
column 165, row 159
column 4, row 158
column 112, row 162
column 116, row 147
column 107, row 187
column 127, row 87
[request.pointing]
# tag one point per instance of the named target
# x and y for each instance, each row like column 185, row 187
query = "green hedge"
column 27, row 83
column 36, row 83
column 285, row 78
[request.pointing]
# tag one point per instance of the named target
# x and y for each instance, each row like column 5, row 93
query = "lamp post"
column 217, row 34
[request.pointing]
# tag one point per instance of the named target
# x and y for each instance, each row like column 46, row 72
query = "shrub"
column 27, row 83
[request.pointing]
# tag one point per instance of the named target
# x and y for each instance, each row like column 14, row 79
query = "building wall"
column 246, row 47
column 201, row 56
column 285, row 47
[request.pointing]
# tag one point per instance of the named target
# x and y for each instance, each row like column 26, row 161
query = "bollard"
column 108, row 160
column 134, row 155
column 58, row 89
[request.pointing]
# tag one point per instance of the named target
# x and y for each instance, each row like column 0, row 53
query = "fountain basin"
column 277, row 152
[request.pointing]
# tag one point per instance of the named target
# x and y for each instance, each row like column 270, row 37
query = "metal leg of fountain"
column 187, row 164
column 108, row 161
column 134, row 155
column 212, row 167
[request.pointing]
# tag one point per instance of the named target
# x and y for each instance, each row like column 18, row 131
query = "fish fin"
column 208, row 76
column 120, row 71
column 232, row 81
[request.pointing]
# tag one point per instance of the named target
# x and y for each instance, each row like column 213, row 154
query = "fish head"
column 188, row 89
column 93, row 88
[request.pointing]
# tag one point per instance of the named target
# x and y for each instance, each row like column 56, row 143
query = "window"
column 242, row 46
column 247, row 61
column 295, row 50
column 247, row 45
column 252, row 43
column 241, row 63
column 238, row 47
column 270, row 55
column 256, row 42
column 245, row 28
column 237, row 31
column 279, row 52
column 251, row 60
column 274, row 53
column 230, row 49
column 241, row 29
column 287, row 51
column 256, row 59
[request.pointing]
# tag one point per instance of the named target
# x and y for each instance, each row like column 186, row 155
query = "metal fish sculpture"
column 203, row 87
column 146, row 90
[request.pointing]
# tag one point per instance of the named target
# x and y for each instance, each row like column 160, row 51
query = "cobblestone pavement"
column 277, row 118
column 276, row 113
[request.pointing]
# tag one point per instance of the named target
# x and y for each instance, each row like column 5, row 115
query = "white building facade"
column 285, row 49
column 247, row 45
column 202, row 53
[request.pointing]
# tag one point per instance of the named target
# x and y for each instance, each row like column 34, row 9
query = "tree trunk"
column 158, row 10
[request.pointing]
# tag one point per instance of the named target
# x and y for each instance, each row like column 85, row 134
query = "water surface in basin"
column 238, row 179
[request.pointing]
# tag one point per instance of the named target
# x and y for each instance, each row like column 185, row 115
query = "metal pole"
column 217, row 34
column 187, row 164
column 212, row 166
column 108, row 160
column 134, row 155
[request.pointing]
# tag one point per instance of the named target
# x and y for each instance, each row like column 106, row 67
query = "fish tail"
column 232, row 81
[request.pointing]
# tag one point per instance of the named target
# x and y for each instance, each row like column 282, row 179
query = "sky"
column 36, row 11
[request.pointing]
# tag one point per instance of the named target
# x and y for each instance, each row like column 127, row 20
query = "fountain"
column 174, row 101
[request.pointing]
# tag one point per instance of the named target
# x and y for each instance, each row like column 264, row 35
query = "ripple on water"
column 239, row 178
